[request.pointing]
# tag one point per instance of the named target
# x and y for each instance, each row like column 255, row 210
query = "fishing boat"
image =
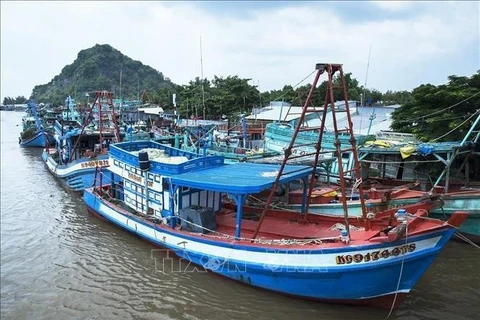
column 34, row 134
column 393, row 160
column 173, row 198
column 278, row 133
column 209, row 141
column 80, row 148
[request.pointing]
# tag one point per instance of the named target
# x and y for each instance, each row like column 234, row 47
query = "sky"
column 274, row 43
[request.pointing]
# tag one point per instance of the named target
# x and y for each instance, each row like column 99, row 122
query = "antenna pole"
column 366, row 77
column 121, row 101
column 201, row 73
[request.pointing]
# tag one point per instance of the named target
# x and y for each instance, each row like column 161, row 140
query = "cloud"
column 274, row 45
column 395, row 6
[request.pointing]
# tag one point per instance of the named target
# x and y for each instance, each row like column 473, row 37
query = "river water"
column 59, row 262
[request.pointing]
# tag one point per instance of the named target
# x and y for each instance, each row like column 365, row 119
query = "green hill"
column 98, row 68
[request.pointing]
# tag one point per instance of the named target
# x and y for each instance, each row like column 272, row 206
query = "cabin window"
column 156, row 178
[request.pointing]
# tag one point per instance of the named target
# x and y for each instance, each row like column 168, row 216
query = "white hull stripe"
column 272, row 257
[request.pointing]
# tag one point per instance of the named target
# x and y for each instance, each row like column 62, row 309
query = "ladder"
column 107, row 113
column 330, row 69
column 101, row 98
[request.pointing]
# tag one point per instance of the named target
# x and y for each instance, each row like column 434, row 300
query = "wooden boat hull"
column 451, row 203
column 375, row 274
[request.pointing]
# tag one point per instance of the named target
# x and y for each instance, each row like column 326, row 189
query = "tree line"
column 232, row 95
column 433, row 113
column 440, row 113
column 18, row 100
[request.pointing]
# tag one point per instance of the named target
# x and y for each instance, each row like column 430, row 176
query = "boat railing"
column 397, row 136
column 123, row 152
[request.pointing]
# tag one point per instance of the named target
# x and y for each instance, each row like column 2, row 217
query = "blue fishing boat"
column 34, row 134
column 208, row 141
column 80, row 148
column 173, row 198
column 278, row 133
column 183, row 213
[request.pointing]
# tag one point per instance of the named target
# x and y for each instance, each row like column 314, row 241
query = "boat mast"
column 366, row 78
column 329, row 108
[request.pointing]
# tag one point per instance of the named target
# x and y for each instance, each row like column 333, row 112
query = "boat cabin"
column 177, row 186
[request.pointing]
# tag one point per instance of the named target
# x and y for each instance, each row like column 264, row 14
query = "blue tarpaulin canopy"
column 240, row 178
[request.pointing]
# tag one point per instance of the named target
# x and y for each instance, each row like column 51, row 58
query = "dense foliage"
column 99, row 68
column 233, row 95
column 18, row 100
column 443, row 112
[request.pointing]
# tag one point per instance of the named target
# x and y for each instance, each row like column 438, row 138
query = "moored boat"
column 34, row 134
column 202, row 140
column 173, row 198
column 183, row 213
column 456, row 182
column 80, row 148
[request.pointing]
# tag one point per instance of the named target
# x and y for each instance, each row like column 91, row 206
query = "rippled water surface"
column 59, row 262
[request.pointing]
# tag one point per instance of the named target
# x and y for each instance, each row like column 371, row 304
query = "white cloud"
column 394, row 6
column 275, row 47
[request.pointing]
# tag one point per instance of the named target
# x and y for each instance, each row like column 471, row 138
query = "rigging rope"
column 440, row 111
column 293, row 87
column 461, row 124
column 458, row 235
column 399, row 276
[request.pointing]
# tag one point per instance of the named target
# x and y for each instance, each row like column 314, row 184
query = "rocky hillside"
column 98, row 68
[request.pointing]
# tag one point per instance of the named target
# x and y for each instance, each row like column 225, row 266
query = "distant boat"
column 34, row 133
column 203, row 142
column 279, row 133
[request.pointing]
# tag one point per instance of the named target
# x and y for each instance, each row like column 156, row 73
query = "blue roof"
column 240, row 178
column 210, row 172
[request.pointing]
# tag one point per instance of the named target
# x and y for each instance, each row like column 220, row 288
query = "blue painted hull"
column 37, row 141
column 374, row 283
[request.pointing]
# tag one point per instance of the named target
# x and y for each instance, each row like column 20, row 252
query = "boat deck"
column 278, row 228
